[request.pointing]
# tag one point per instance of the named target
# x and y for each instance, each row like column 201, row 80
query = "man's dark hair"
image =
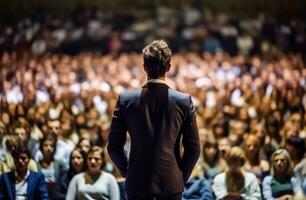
column 21, row 149
column 156, row 57
column 298, row 144
column 19, row 124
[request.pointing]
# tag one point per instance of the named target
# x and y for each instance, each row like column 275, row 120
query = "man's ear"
column 168, row 67
column 144, row 68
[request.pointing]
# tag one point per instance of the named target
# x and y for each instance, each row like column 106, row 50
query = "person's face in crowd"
column 54, row 126
column 80, row 120
column 296, row 120
column 293, row 151
column 85, row 145
column 203, row 135
column 223, row 146
column 280, row 163
column 22, row 162
column 243, row 114
column 66, row 128
column 238, row 128
column 218, row 131
column 11, row 109
column 11, row 145
column 77, row 161
column 21, row 133
column 210, row 152
column 251, row 148
column 291, row 133
column 234, row 165
column 259, row 132
column 94, row 161
column 208, row 114
column 5, row 118
column 48, row 148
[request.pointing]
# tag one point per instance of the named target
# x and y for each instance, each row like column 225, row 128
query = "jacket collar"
column 155, row 82
column 31, row 182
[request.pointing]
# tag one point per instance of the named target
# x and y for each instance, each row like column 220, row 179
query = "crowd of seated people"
column 56, row 103
column 55, row 108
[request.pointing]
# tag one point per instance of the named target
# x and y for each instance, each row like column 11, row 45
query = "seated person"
column 236, row 183
column 211, row 162
column 22, row 183
column 77, row 165
column 281, row 184
column 7, row 164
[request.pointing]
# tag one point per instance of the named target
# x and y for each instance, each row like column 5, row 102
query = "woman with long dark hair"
column 77, row 164
column 49, row 167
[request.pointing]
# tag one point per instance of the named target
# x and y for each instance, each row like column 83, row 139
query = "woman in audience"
column 94, row 183
column 254, row 161
column 281, row 184
column 49, row 167
column 77, row 165
column 211, row 163
column 236, row 183
column 85, row 144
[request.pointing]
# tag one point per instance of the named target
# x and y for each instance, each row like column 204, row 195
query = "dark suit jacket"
column 156, row 118
column 37, row 188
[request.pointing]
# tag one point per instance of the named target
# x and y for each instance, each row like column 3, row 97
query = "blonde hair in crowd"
column 289, row 168
column 235, row 181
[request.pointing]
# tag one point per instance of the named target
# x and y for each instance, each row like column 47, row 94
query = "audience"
column 62, row 77
column 281, row 184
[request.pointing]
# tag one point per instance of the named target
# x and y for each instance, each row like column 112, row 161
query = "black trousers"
column 155, row 197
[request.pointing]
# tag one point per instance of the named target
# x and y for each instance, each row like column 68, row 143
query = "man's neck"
column 21, row 174
column 156, row 78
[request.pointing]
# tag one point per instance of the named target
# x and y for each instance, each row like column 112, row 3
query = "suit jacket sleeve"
column 117, row 139
column 190, row 142
column 1, row 187
column 42, row 188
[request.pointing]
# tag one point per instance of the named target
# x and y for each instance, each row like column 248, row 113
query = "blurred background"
column 75, row 26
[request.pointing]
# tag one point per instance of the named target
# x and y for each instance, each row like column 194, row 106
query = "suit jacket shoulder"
column 126, row 96
column 180, row 97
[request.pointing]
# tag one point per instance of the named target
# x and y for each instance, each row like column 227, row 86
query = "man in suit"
column 23, row 183
column 158, row 119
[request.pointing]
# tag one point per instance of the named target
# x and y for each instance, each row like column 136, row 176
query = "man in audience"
column 22, row 183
